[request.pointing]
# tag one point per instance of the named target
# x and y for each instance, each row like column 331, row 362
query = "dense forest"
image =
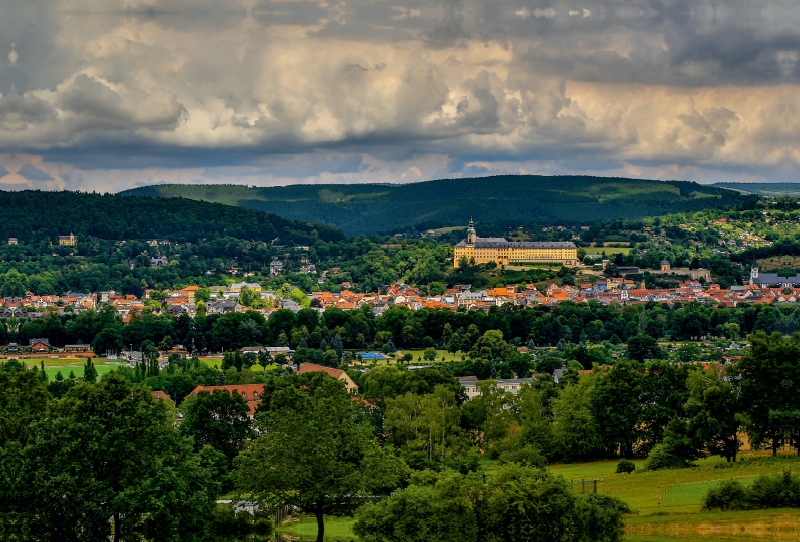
column 448, row 202
column 37, row 216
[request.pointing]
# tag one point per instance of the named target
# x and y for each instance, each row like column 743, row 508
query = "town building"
column 772, row 279
column 68, row 240
column 510, row 385
column 481, row 250
column 338, row 374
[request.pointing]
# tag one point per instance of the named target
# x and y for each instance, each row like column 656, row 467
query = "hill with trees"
column 775, row 190
column 369, row 208
column 34, row 216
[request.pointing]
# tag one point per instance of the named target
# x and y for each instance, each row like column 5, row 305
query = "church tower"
column 754, row 273
column 471, row 235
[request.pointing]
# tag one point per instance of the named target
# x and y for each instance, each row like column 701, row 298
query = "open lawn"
column 306, row 528
column 441, row 356
column 607, row 250
column 53, row 365
column 668, row 503
column 779, row 262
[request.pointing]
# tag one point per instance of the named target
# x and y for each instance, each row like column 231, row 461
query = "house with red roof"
column 338, row 374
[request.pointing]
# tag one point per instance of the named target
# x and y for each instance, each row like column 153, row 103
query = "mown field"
column 667, row 503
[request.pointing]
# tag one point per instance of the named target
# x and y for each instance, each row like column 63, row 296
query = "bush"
column 625, row 467
column 766, row 492
column 527, row 456
column 728, row 495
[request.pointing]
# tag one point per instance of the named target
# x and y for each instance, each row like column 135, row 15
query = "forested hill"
column 774, row 190
column 35, row 216
column 523, row 198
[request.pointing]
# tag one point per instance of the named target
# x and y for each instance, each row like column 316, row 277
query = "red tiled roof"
column 158, row 394
column 311, row 367
column 249, row 392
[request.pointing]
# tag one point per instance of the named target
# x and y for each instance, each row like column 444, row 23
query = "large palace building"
column 479, row 250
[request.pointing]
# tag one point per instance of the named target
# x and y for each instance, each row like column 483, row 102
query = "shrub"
column 527, row 456
column 728, row 495
column 625, row 467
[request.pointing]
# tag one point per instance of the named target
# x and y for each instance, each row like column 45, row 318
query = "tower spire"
column 472, row 236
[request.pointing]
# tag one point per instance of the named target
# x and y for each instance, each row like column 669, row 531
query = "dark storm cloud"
column 32, row 173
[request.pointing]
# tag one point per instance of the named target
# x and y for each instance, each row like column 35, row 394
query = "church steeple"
column 472, row 236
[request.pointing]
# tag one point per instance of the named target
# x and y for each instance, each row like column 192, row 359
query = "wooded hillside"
column 450, row 202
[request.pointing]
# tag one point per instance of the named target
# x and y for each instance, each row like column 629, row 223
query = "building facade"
column 68, row 240
column 772, row 279
column 481, row 250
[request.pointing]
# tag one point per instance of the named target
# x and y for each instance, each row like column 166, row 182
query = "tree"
column 575, row 431
column 162, row 489
column 518, row 503
column 429, row 354
column 770, row 376
column 642, row 347
column 219, row 419
column 89, row 371
column 714, row 409
column 617, row 407
column 315, row 450
column 166, row 343
column 109, row 340
column 389, row 347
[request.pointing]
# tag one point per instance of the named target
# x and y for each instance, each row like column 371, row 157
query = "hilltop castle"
column 480, row 250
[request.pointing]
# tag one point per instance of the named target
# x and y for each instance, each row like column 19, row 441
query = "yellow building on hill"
column 480, row 250
column 68, row 240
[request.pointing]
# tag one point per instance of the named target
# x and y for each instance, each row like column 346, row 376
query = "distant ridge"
column 370, row 208
column 764, row 189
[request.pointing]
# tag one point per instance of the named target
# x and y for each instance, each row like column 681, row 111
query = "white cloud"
column 186, row 86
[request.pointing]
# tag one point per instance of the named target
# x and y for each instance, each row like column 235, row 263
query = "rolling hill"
column 34, row 216
column 368, row 208
column 774, row 190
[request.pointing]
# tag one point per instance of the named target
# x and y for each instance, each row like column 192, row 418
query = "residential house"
column 338, row 374
column 251, row 393
column 39, row 345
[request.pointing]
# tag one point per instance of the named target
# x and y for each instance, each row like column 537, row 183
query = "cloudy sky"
column 110, row 94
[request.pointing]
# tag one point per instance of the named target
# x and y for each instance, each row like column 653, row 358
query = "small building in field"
column 13, row 241
column 39, row 345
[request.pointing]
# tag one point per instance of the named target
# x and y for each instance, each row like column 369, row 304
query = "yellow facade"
column 68, row 241
column 477, row 250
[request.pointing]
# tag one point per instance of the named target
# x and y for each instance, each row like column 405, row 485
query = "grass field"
column 306, row 528
column 607, row 250
column 667, row 503
column 778, row 262
column 65, row 365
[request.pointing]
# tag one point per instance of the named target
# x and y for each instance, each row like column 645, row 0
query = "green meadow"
column 667, row 504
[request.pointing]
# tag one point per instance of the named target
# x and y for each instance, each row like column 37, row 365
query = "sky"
column 104, row 95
